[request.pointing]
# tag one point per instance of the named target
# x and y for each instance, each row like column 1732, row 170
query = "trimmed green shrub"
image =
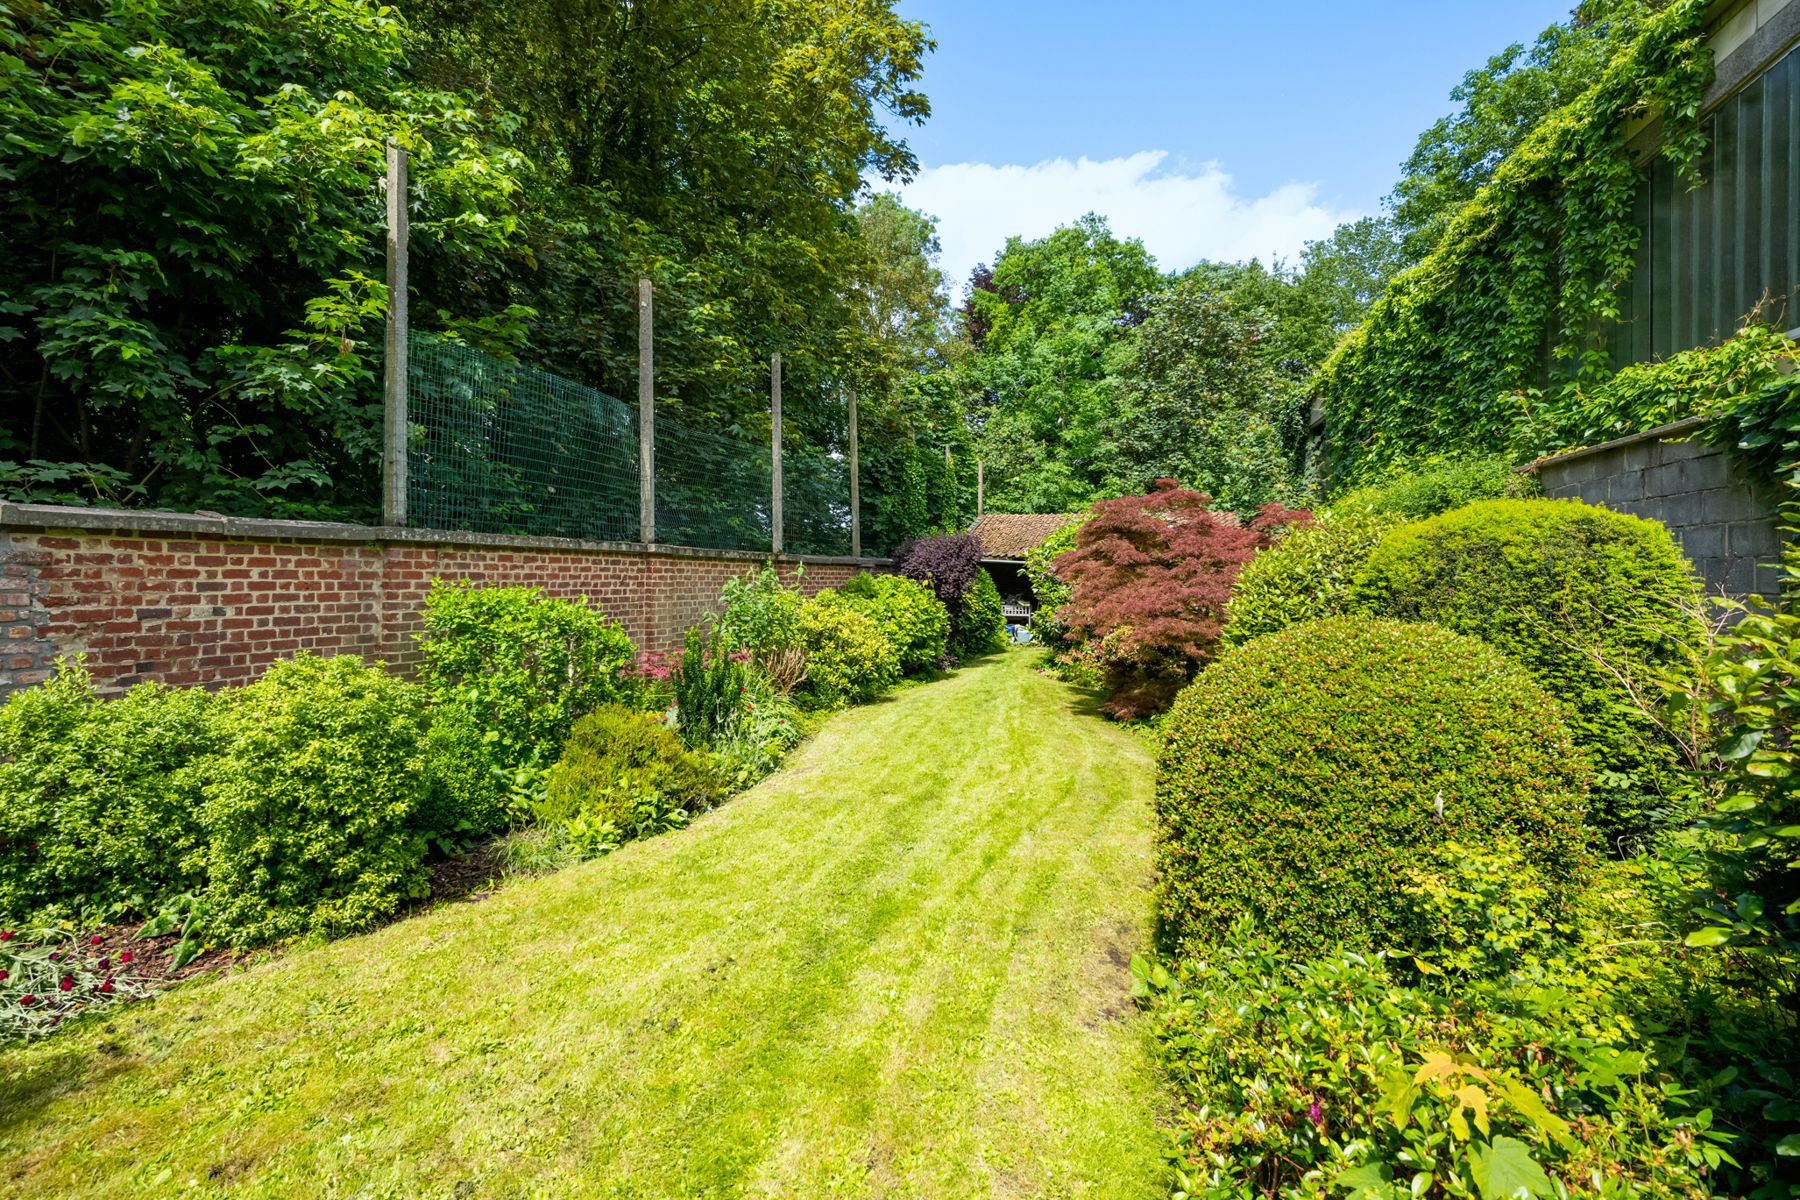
column 979, row 627
column 99, row 805
column 909, row 612
column 1304, row 576
column 1301, row 775
column 622, row 775
column 1439, row 485
column 312, row 806
column 525, row 664
column 849, row 660
column 1584, row 598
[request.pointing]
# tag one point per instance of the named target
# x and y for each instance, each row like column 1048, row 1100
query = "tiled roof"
column 1010, row 535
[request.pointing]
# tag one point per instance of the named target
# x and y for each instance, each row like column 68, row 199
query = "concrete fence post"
column 394, row 414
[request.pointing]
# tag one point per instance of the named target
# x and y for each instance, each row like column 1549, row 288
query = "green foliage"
column 1305, row 575
column 1589, row 601
column 1199, row 402
column 190, row 240
column 1501, row 103
column 849, row 660
column 1744, row 699
column 1480, row 910
column 1527, row 274
column 710, row 684
column 979, row 626
column 311, row 807
column 525, row 664
column 1325, row 1076
column 1051, row 326
column 914, row 619
column 99, row 803
column 763, row 616
column 467, row 798
column 623, row 775
column 1427, row 488
column 1300, row 775
column 1049, row 588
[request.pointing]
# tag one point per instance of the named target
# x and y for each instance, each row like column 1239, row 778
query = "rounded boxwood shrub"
column 1304, row 576
column 1578, row 595
column 1302, row 776
column 849, row 660
column 909, row 612
column 312, row 805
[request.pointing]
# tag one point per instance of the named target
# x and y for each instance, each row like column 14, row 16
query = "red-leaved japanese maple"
column 1150, row 577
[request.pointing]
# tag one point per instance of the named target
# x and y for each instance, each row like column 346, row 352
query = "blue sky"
column 1207, row 128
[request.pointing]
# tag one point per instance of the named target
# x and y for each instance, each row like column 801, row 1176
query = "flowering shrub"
column 311, row 808
column 1300, row 775
column 849, row 659
column 50, row 975
column 1150, row 576
column 1305, row 575
column 1590, row 601
column 762, row 616
column 909, row 612
column 525, row 664
column 99, row 804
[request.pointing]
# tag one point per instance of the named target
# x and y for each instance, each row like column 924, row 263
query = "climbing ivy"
column 1527, row 276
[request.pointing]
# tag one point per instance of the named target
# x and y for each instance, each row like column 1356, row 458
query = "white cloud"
column 1182, row 217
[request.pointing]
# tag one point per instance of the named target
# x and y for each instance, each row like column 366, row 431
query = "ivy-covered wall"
column 1470, row 349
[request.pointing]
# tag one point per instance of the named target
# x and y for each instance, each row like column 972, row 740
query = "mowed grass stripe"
column 894, row 969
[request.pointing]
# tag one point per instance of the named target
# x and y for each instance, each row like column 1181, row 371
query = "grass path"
column 897, row 968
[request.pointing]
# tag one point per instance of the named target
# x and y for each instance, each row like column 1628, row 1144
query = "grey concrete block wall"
column 1726, row 524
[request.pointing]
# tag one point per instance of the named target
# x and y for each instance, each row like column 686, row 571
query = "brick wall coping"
column 1661, row 433
column 118, row 520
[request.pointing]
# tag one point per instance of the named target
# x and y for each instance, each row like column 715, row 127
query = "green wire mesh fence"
column 498, row 447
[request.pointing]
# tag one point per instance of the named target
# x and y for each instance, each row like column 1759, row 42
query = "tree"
column 1149, row 578
column 1501, row 102
column 1199, row 401
column 1050, row 332
column 191, row 239
column 1349, row 269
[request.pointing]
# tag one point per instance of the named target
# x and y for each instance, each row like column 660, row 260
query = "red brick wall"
column 189, row 608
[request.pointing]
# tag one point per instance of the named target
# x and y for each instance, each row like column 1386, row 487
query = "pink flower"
column 124, row 956
column 55, row 954
column 67, row 984
column 6, row 935
column 5, row 974
column 95, row 940
column 1316, row 1115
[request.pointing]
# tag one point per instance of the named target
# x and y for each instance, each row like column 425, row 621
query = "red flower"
column 95, row 940
column 6, row 935
column 67, row 984
column 107, row 987
column 55, row 954
column 5, row 974
column 27, row 999
column 124, row 956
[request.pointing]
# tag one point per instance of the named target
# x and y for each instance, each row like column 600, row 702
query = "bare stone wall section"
column 202, row 600
column 1725, row 523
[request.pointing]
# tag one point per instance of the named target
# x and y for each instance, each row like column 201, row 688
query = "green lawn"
column 898, row 968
